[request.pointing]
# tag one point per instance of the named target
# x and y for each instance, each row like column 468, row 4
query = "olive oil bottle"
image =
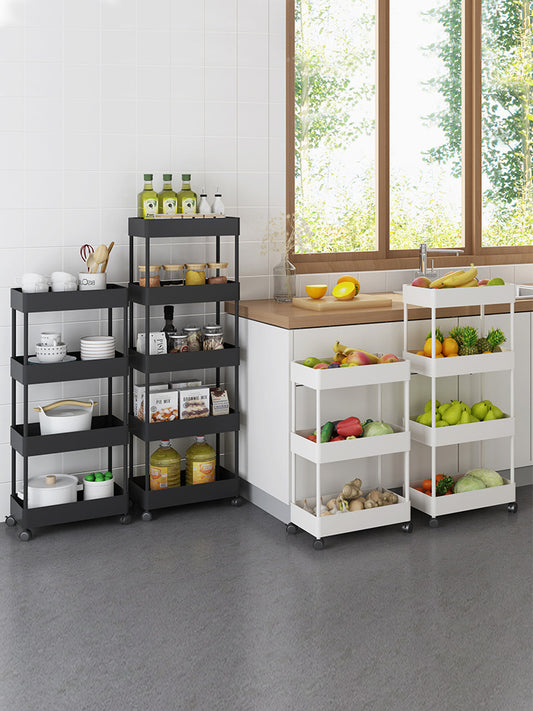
column 168, row 199
column 165, row 469
column 187, row 199
column 147, row 201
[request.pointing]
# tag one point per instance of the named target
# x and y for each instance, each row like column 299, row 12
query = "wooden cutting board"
column 330, row 303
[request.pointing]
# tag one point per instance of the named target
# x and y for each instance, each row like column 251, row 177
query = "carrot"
column 418, row 488
column 426, row 484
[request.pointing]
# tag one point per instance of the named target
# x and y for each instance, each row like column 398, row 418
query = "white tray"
column 457, row 434
column 349, row 520
column 347, row 449
column 328, row 379
column 467, row 501
column 461, row 365
column 474, row 296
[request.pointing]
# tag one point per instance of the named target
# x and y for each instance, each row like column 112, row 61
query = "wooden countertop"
column 292, row 317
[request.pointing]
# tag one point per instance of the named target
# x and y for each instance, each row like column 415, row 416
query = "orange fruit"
column 420, row 353
column 427, row 347
column 439, row 355
column 452, row 355
column 344, row 291
column 351, row 279
column 316, row 291
column 450, row 347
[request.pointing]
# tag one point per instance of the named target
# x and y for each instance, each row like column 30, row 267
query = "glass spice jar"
column 178, row 343
column 194, row 274
column 194, row 337
column 154, row 278
column 173, row 274
column 213, row 337
column 217, row 273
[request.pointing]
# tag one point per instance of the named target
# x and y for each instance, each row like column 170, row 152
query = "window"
column 412, row 123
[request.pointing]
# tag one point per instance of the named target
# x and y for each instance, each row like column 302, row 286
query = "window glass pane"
column 507, row 119
column 425, row 123
column 334, row 125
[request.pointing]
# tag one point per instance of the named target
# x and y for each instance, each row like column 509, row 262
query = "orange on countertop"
column 353, row 280
column 344, row 291
column 316, row 291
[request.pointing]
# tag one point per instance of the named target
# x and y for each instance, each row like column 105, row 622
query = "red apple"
column 389, row 358
column 320, row 366
column 483, row 282
column 423, row 282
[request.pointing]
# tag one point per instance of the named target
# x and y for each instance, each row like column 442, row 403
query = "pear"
column 490, row 415
column 465, row 407
column 453, row 414
column 441, row 423
column 465, row 418
column 425, row 419
column 427, row 406
column 480, row 409
column 473, row 418
column 498, row 413
column 442, row 409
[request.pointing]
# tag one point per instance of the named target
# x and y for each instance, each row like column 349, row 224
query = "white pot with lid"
column 65, row 416
column 52, row 489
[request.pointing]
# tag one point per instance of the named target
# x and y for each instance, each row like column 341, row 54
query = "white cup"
column 50, row 338
column 92, row 281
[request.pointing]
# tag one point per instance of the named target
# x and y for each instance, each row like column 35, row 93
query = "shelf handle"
column 65, row 402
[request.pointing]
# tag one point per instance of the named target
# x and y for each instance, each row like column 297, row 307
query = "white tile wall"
column 95, row 92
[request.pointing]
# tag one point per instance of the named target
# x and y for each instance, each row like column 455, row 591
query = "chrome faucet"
column 423, row 257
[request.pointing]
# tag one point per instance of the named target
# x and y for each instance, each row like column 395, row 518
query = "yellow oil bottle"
column 165, row 467
column 201, row 462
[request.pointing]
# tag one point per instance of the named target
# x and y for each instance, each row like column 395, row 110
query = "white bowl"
column 63, row 276
column 50, row 354
column 97, row 339
column 64, row 286
column 37, row 288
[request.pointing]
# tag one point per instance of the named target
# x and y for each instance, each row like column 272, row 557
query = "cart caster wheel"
column 512, row 508
column 125, row 519
column 146, row 516
column 318, row 544
column 25, row 535
column 237, row 501
column 407, row 527
column 10, row 521
column 434, row 522
column 291, row 528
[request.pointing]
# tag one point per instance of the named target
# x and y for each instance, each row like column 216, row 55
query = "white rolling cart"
column 481, row 364
column 398, row 442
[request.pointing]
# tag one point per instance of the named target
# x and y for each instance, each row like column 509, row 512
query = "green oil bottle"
column 165, row 467
column 147, row 200
column 168, row 199
column 187, row 199
column 201, row 462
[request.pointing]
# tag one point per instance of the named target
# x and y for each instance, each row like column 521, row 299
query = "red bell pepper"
column 350, row 427
column 312, row 437
column 338, row 438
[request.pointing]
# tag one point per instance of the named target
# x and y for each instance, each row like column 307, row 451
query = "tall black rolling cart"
column 107, row 430
column 226, row 484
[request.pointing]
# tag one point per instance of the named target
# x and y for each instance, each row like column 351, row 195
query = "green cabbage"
column 468, row 483
column 488, row 476
column 373, row 429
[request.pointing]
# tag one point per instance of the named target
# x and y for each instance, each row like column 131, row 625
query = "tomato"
column 418, row 488
column 428, row 492
column 426, row 484
column 439, row 477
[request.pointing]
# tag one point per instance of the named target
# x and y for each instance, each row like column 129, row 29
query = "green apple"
column 311, row 362
column 496, row 281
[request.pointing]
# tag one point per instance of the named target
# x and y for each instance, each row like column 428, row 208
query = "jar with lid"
column 213, row 337
column 154, row 278
column 194, row 274
column 173, row 275
column 177, row 343
column 194, row 337
column 217, row 273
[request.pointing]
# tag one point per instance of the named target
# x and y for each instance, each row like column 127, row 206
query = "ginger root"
column 380, row 498
column 356, row 505
column 352, row 490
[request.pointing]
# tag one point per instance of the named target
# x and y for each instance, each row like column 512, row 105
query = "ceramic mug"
column 50, row 338
column 92, row 281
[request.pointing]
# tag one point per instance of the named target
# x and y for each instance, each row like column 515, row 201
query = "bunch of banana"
column 457, row 279
column 353, row 355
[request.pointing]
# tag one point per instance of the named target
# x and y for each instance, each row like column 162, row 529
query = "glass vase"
column 284, row 280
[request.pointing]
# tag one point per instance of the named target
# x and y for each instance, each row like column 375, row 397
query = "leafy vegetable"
column 374, row 429
column 468, row 483
column 488, row 476
column 444, row 484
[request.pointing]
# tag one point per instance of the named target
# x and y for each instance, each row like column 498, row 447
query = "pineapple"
column 455, row 333
column 495, row 338
column 483, row 345
column 438, row 335
column 468, row 345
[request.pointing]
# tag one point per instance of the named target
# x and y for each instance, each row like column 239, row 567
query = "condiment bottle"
column 169, row 327
column 218, row 205
column 213, row 337
column 217, row 273
column 186, row 197
column 194, row 337
column 204, row 207
column 168, row 199
column 194, row 274
column 147, row 201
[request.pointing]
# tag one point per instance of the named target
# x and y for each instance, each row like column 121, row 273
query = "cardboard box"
column 158, row 343
column 194, row 402
column 188, row 384
column 219, row 401
column 164, row 406
column 138, row 397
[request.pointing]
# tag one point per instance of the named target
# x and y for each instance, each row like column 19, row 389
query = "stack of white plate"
column 96, row 347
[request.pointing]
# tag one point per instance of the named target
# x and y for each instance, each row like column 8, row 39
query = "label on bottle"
column 170, row 206
column 188, row 206
column 163, row 477
column 150, row 206
column 201, row 472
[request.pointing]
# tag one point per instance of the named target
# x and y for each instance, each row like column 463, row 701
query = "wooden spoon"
column 100, row 256
column 91, row 262
column 104, row 265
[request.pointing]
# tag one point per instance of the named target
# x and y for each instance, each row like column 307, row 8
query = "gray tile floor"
column 215, row 608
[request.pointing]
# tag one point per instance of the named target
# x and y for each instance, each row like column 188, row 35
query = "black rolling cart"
column 226, row 484
column 107, row 430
